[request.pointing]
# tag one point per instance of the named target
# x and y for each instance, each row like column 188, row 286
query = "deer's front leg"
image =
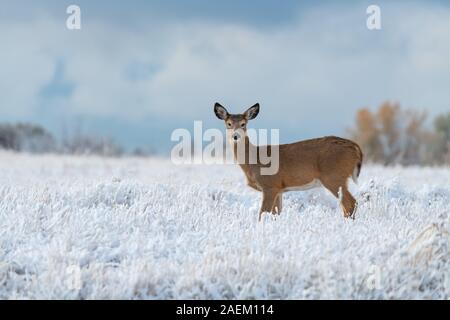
column 268, row 201
column 253, row 185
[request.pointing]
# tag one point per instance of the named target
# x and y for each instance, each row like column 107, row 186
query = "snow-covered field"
column 94, row 228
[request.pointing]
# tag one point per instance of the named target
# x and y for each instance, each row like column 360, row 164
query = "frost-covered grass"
column 93, row 228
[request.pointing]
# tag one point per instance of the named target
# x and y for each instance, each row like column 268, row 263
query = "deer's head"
column 236, row 124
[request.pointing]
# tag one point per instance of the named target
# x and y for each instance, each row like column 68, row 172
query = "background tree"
column 393, row 135
column 388, row 117
column 366, row 134
column 442, row 128
column 26, row 137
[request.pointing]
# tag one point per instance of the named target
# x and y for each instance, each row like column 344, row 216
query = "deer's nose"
column 236, row 136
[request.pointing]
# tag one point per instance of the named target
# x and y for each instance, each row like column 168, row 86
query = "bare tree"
column 389, row 132
column 394, row 135
column 26, row 137
column 442, row 128
column 366, row 134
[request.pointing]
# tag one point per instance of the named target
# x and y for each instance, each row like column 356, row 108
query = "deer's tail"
column 359, row 162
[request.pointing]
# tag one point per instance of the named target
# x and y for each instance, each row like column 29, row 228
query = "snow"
column 94, row 228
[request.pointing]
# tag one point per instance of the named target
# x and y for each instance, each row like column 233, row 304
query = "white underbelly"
column 311, row 185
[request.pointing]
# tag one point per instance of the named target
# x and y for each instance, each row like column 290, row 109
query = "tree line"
column 389, row 135
column 32, row 138
column 394, row 135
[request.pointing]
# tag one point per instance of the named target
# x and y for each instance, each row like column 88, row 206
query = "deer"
column 326, row 162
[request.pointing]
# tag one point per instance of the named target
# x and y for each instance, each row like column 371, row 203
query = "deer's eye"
column 242, row 124
column 229, row 124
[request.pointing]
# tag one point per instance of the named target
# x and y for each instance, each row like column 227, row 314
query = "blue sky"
column 139, row 69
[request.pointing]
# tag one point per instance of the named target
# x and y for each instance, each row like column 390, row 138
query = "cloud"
column 309, row 75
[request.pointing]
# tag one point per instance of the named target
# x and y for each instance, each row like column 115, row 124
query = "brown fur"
column 329, row 160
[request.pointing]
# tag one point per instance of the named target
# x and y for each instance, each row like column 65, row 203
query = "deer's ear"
column 252, row 112
column 220, row 111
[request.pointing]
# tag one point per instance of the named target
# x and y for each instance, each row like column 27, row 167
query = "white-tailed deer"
column 327, row 161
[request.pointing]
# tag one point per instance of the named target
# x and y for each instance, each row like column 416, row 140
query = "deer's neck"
column 244, row 153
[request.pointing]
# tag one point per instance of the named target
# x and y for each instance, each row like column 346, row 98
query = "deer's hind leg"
column 338, row 187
